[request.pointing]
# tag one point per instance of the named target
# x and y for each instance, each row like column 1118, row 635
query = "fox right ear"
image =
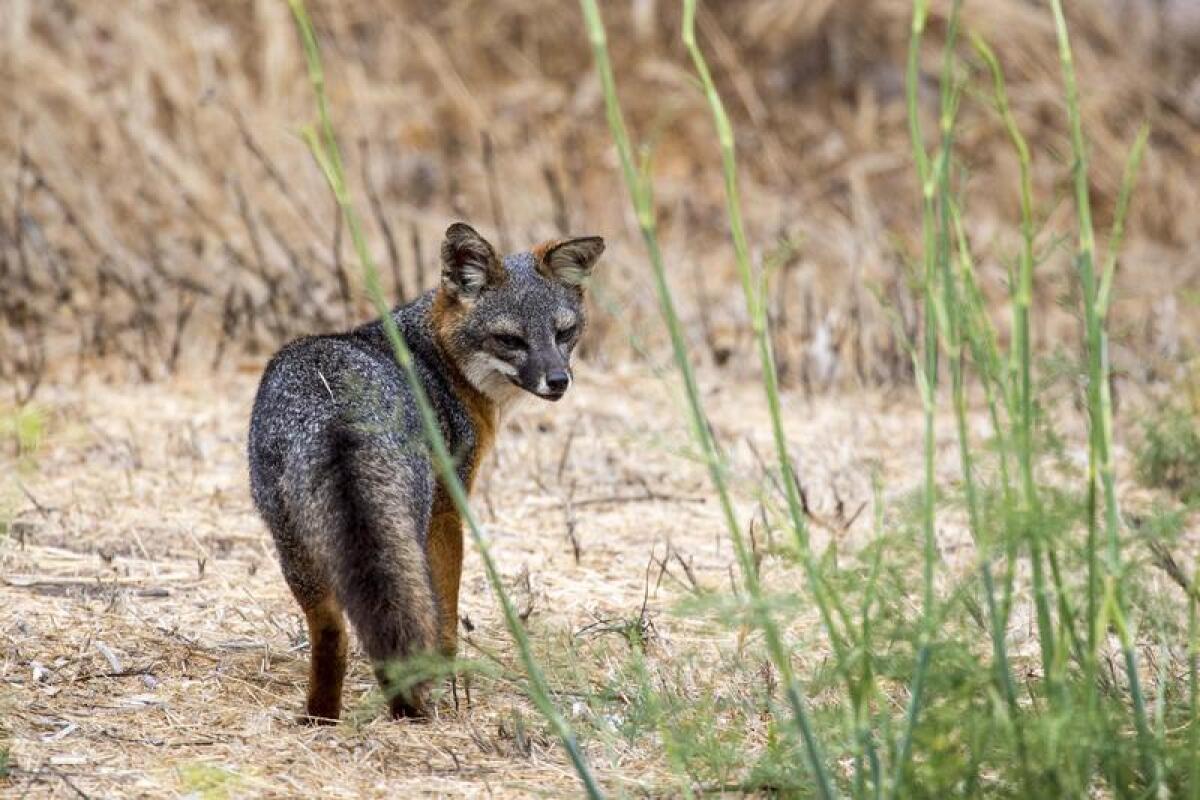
column 469, row 263
column 569, row 261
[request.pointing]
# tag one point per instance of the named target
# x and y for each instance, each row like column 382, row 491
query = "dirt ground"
column 150, row 648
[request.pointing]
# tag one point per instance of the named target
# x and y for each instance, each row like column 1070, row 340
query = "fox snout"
column 544, row 372
column 557, row 383
column 548, row 383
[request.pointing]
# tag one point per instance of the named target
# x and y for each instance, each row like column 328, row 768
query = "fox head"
column 511, row 324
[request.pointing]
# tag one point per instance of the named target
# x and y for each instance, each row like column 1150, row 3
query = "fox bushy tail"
column 362, row 495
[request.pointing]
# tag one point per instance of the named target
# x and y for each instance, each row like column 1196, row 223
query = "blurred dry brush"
column 158, row 210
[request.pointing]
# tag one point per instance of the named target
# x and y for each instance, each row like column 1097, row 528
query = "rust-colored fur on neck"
column 445, row 314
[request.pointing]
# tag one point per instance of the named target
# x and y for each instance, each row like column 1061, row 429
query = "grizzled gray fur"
column 339, row 469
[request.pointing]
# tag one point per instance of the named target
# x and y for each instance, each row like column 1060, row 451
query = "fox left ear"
column 469, row 262
column 570, row 261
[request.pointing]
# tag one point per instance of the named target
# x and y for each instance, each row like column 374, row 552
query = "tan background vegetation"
column 157, row 206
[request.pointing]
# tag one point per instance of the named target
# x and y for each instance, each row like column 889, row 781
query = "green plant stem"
column 640, row 189
column 1117, row 235
column 926, row 374
column 1021, row 366
column 980, row 335
column 1100, row 464
column 325, row 150
column 756, row 309
column 961, row 309
column 1193, row 693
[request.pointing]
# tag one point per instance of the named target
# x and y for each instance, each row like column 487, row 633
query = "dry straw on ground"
column 149, row 646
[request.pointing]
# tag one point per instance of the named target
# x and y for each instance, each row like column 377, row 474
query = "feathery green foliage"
column 960, row 726
column 1169, row 456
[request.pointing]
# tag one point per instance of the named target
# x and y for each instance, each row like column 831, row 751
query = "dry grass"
column 149, row 646
column 149, row 643
column 156, row 206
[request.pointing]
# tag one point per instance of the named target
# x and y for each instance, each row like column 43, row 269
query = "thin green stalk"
column 925, row 376
column 961, row 309
column 1116, row 236
column 1160, row 700
column 862, row 692
column 640, row 189
column 1021, row 367
column 980, row 335
column 1099, row 396
column 935, row 183
column 756, row 309
column 325, row 150
column 1084, row 263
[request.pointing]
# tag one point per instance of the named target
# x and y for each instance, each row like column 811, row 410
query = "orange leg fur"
column 327, row 662
column 445, row 550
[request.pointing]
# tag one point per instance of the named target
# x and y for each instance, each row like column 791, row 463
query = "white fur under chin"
column 491, row 376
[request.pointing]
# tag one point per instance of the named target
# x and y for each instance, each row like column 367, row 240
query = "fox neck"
column 483, row 411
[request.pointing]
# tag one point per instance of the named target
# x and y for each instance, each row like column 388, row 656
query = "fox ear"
column 570, row 261
column 469, row 263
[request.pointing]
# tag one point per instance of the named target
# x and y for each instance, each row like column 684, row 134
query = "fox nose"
column 557, row 381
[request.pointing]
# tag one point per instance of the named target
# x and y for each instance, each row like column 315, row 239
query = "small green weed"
column 208, row 781
column 1169, row 457
column 25, row 426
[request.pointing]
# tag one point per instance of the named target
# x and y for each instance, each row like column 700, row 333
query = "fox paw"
column 316, row 717
column 408, row 709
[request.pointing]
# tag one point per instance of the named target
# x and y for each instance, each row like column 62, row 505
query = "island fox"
column 339, row 470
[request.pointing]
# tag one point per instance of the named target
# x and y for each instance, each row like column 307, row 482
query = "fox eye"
column 509, row 341
column 567, row 334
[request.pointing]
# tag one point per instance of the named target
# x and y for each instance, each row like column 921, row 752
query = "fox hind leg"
column 327, row 662
column 364, row 500
column 445, row 548
column 393, row 611
column 328, row 642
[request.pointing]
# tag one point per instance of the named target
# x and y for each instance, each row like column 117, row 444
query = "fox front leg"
column 445, row 550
